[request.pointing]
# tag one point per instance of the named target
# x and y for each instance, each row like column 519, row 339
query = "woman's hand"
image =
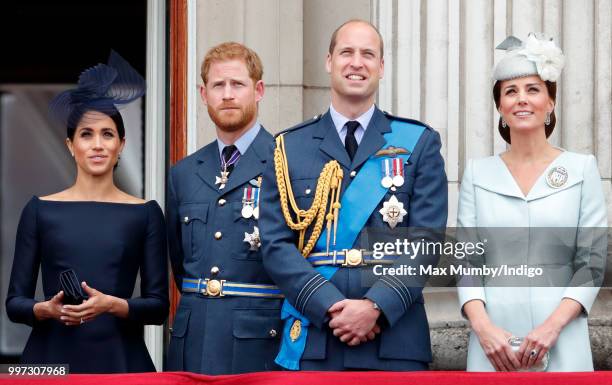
column 97, row 303
column 494, row 342
column 541, row 339
column 51, row 309
column 538, row 342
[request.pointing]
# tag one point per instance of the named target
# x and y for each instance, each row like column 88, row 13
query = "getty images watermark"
column 485, row 256
column 460, row 251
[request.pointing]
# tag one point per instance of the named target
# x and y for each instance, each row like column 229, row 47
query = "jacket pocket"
column 304, row 191
column 257, row 333
column 193, row 218
column 241, row 249
column 176, row 351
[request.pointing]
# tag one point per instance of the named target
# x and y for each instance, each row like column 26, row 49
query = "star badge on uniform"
column 393, row 212
column 253, row 239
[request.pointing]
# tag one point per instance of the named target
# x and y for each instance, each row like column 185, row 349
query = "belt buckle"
column 353, row 258
column 214, row 287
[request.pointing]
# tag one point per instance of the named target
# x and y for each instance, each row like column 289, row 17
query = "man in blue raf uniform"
column 228, row 317
column 352, row 167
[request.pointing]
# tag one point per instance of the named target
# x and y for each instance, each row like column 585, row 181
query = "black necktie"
column 229, row 157
column 350, row 142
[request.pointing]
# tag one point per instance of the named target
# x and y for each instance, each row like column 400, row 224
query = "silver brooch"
column 557, row 177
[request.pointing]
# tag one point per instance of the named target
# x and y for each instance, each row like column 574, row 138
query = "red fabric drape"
column 315, row 378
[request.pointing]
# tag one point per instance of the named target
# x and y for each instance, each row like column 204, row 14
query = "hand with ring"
column 537, row 343
column 97, row 303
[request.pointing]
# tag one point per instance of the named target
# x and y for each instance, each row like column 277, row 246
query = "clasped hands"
column 74, row 315
column 354, row 321
column 494, row 341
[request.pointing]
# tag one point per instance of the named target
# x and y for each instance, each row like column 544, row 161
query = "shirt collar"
column 244, row 141
column 340, row 120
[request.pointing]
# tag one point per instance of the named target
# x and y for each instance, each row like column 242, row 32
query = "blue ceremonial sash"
column 356, row 207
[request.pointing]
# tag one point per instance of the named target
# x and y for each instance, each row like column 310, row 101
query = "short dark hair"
column 332, row 42
column 551, row 87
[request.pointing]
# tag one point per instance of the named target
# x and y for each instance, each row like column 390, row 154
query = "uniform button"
column 214, row 270
column 218, row 235
column 221, row 202
column 186, row 219
column 353, row 173
column 308, row 191
column 273, row 333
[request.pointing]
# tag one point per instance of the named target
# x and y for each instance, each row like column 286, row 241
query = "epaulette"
column 305, row 123
column 407, row 120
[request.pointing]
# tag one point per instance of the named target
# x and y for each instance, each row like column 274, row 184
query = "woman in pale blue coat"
column 532, row 185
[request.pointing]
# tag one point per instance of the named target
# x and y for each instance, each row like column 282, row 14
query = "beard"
column 235, row 120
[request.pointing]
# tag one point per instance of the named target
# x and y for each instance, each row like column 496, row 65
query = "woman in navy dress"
column 105, row 235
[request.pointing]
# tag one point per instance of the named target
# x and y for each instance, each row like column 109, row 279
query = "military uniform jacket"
column 404, row 343
column 218, row 335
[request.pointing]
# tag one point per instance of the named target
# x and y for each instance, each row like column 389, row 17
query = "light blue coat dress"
column 490, row 197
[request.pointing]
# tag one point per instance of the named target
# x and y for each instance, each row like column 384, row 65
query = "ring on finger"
column 82, row 322
column 533, row 353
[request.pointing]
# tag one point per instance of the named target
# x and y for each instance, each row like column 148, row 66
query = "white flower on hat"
column 548, row 58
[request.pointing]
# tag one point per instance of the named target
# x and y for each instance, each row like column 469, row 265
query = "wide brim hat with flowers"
column 537, row 55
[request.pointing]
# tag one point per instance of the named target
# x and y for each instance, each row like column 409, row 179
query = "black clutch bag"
column 70, row 284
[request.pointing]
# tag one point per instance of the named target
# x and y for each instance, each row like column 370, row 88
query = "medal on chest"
column 392, row 172
column 393, row 212
column 225, row 164
column 253, row 239
column 222, row 180
column 250, row 199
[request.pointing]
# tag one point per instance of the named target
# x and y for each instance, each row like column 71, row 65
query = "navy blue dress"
column 107, row 244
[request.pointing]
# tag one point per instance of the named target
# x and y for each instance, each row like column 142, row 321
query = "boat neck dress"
column 107, row 245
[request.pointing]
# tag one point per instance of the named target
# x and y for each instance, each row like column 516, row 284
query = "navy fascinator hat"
column 103, row 88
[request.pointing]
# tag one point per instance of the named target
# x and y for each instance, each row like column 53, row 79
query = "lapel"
column 209, row 165
column 371, row 142
column 252, row 163
column 495, row 177
column 373, row 139
column 331, row 143
column 541, row 188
